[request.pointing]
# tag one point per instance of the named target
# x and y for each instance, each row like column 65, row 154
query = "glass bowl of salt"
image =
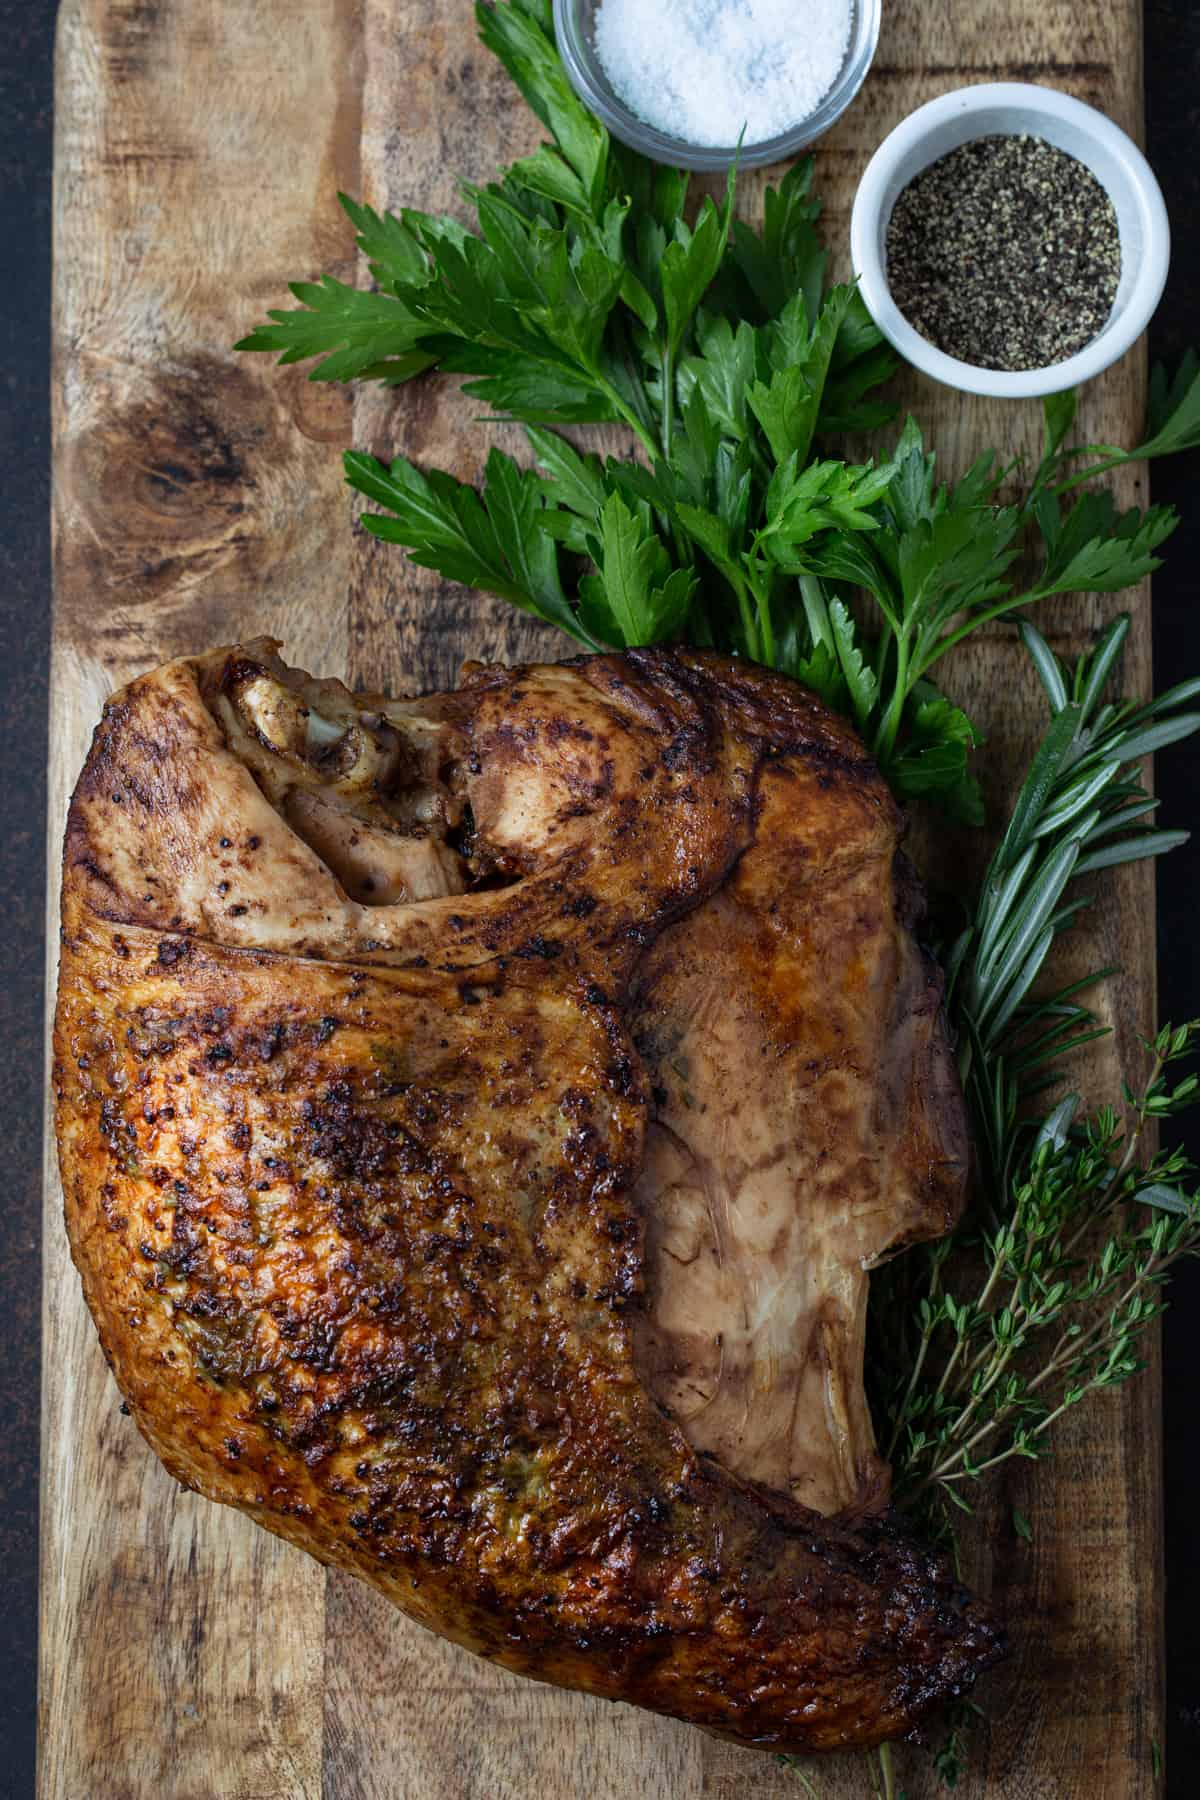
column 682, row 80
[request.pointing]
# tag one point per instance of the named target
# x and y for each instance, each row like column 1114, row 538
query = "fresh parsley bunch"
column 589, row 295
column 586, row 297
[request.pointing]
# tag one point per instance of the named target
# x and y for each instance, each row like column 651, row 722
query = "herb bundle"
column 590, row 294
column 1073, row 1227
column 586, row 297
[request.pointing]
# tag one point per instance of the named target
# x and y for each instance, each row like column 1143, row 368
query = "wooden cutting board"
column 198, row 498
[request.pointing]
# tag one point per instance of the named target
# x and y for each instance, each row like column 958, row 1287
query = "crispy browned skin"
column 360, row 1183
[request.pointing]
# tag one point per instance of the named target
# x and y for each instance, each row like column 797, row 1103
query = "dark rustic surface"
column 25, row 112
column 1173, row 62
column 1172, row 125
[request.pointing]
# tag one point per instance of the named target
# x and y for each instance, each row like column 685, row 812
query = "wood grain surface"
column 198, row 498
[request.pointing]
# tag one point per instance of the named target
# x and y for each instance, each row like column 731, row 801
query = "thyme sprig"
column 1018, row 1325
column 1072, row 1279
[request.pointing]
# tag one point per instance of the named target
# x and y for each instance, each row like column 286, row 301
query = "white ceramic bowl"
column 998, row 109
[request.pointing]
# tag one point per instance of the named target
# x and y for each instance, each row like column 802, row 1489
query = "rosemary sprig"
column 1081, row 809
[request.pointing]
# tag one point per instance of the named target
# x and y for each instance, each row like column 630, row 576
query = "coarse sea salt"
column 707, row 71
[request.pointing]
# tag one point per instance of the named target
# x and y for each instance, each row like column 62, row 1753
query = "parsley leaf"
column 1173, row 410
column 360, row 337
column 493, row 541
column 636, row 597
column 690, row 263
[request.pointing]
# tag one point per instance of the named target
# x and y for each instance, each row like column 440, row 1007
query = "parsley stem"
column 1112, row 458
column 885, row 737
column 766, row 630
column 1012, row 604
column 630, row 418
column 668, row 400
column 644, row 412
column 746, row 611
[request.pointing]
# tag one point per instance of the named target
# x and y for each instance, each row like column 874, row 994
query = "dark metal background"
column 26, row 32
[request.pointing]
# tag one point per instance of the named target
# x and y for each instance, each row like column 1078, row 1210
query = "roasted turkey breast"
column 478, row 1117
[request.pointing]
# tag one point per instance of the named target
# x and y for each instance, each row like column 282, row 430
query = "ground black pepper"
column 1005, row 253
